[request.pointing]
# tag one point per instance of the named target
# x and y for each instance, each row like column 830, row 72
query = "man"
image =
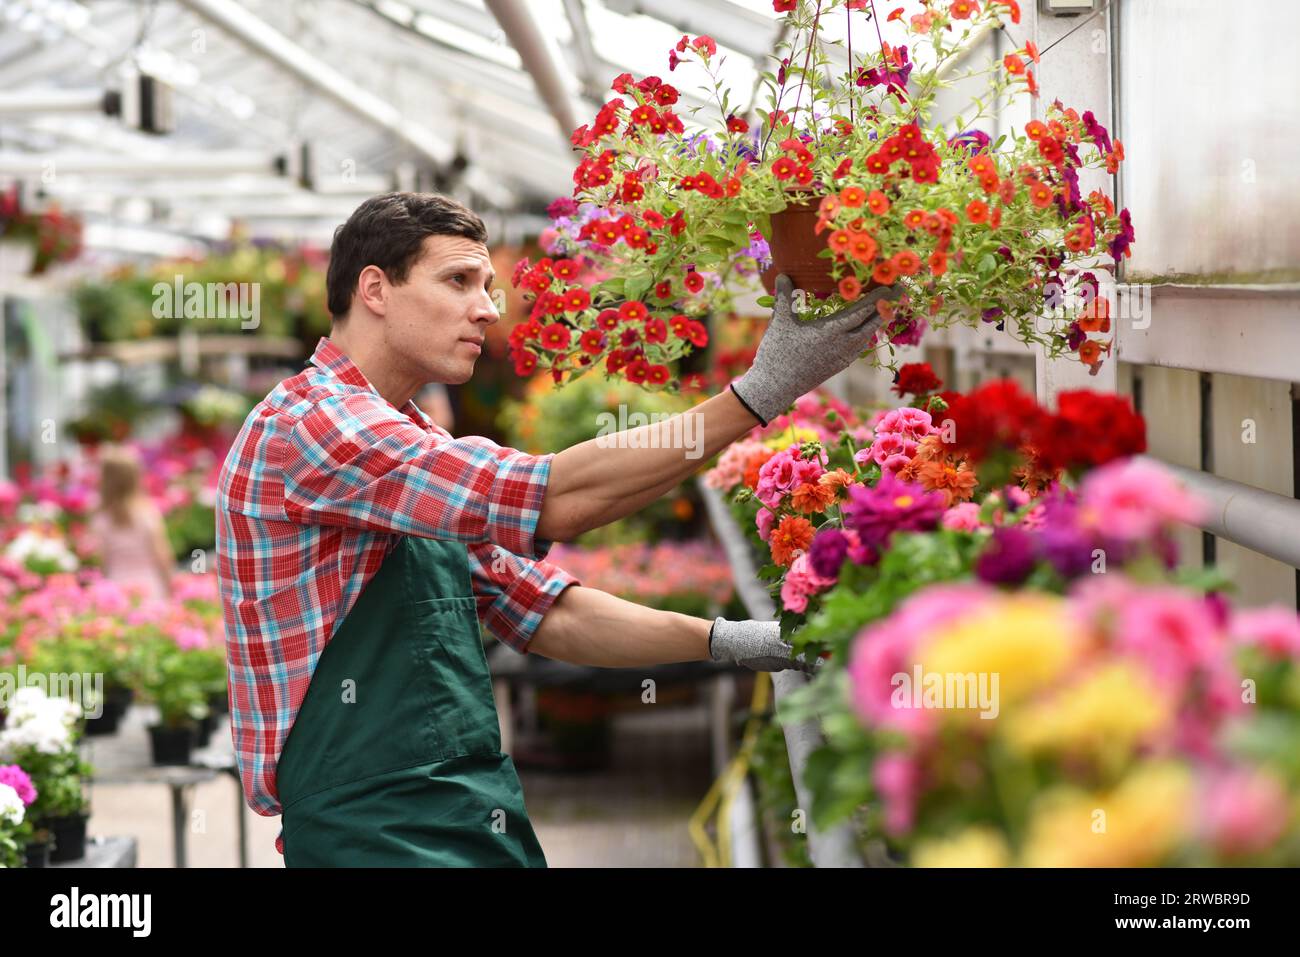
column 361, row 547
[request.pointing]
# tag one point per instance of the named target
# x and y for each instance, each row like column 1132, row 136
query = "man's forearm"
column 586, row 626
column 606, row 478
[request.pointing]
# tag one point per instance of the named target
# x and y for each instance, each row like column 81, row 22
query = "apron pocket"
column 450, row 647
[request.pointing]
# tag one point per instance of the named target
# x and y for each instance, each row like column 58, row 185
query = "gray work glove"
column 756, row 645
column 795, row 357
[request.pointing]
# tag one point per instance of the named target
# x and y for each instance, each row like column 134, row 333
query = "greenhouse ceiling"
column 283, row 113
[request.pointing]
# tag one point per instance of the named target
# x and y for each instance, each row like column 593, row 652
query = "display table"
column 123, row 758
column 106, row 852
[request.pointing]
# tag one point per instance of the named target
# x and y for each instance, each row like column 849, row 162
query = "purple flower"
column 991, row 314
column 892, row 506
column 564, row 206
column 18, row 779
column 760, row 251
column 1008, row 557
column 827, row 552
column 1096, row 132
column 1124, row 238
column 1064, row 544
column 909, row 332
column 1075, row 336
column 975, row 141
column 894, row 81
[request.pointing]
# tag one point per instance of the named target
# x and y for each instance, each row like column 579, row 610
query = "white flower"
column 12, row 809
column 38, row 721
column 31, row 544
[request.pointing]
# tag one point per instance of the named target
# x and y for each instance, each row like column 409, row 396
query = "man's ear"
column 372, row 289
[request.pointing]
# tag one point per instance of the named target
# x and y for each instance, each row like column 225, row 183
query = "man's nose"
column 487, row 309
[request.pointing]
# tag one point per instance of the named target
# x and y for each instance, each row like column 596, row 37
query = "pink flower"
column 892, row 450
column 963, row 517
column 1274, row 630
column 1131, row 499
column 1242, row 811
column 898, row 779
column 913, row 424
column 1172, row 632
column 785, row 472
column 766, row 521
column 187, row 637
column 730, row 470
column 800, row 583
column 20, row 781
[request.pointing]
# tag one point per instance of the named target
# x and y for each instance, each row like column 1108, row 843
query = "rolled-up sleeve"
column 514, row 593
column 355, row 461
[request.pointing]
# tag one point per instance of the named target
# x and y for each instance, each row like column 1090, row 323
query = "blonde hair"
column 119, row 483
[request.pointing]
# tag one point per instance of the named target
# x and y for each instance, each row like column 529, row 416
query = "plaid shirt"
column 323, row 480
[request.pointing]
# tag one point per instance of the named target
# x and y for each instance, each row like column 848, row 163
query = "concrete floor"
column 633, row 814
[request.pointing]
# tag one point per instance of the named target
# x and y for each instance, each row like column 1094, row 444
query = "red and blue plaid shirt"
column 323, row 480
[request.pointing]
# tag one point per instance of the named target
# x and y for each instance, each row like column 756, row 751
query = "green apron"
column 395, row 758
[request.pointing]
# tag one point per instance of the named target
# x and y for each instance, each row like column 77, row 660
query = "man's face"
column 443, row 309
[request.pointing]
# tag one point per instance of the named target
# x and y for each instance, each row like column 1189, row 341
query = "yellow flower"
column 1105, row 713
column 1137, row 824
column 1025, row 642
column 977, row 846
column 787, row 437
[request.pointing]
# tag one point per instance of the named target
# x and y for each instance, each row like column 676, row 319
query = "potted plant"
column 35, row 240
column 40, row 736
column 173, row 679
column 17, row 843
column 844, row 181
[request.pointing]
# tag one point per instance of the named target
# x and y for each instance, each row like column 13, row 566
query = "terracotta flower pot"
column 795, row 246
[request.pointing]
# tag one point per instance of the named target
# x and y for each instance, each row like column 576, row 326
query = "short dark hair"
column 388, row 231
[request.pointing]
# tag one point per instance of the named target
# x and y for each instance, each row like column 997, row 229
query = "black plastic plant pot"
column 69, row 837
column 172, row 745
column 38, row 854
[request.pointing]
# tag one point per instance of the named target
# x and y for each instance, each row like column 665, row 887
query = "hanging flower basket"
column 668, row 223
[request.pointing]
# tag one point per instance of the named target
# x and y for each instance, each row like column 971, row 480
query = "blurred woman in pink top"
column 129, row 528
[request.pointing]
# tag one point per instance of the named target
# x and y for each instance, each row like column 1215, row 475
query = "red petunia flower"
column 656, row 331
column 784, row 168
column 918, row 379
column 850, row 288
column 963, row 9
column 1013, row 64
column 576, row 300
column 592, row 342
column 736, row 124
column 633, row 311
column 877, row 202
column 555, row 337
column 608, row 319
column 693, row 282
column 977, row 211
column 784, row 6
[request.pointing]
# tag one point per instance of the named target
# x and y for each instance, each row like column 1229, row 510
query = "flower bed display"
column 1016, row 671
column 843, row 180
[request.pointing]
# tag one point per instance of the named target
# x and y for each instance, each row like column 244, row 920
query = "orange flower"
column 853, row 197
column 877, row 202
column 1031, row 49
column 837, row 479
column 1041, row 195
column 962, row 9
column 1035, row 129
column 839, row 241
column 995, row 220
column 913, row 219
column 1013, row 64
column 1090, row 353
column 906, row 262
column 850, row 288
column 938, row 263
column 756, row 462
column 977, row 211
column 862, row 247
column 813, row 497
column 792, row 536
column 1032, row 83
column 957, row 482
column 885, row 273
